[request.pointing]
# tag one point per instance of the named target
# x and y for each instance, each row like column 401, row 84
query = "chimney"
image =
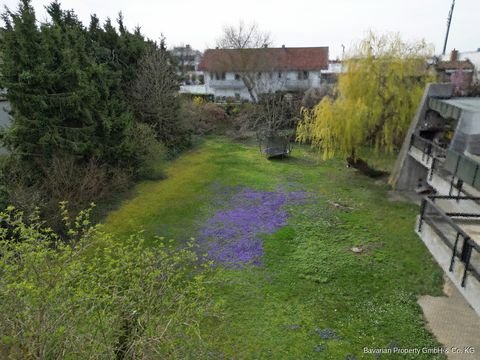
column 454, row 55
column 283, row 46
column 265, row 46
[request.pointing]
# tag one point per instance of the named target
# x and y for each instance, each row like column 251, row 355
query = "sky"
column 290, row 23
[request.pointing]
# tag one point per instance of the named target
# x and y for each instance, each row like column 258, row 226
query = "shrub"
column 205, row 118
column 313, row 96
column 43, row 184
column 149, row 153
column 246, row 117
column 88, row 295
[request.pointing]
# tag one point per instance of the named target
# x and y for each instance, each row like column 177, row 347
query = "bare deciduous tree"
column 244, row 38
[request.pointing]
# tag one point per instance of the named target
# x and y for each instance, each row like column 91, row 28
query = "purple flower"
column 233, row 236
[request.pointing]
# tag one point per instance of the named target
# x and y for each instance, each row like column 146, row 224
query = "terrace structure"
column 440, row 158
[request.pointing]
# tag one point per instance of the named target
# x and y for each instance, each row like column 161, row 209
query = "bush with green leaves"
column 150, row 153
column 89, row 295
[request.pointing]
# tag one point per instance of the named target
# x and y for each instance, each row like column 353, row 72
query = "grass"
column 313, row 298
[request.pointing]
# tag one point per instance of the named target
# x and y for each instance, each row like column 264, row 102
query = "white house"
column 243, row 73
column 188, row 60
column 474, row 58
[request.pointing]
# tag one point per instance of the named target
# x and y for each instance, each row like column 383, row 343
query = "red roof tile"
column 455, row 65
column 265, row 59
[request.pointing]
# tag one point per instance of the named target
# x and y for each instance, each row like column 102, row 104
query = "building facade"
column 440, row 158
column 188, row 60
column 245, row 74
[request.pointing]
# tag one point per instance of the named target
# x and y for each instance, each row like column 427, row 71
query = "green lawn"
column 313, row 298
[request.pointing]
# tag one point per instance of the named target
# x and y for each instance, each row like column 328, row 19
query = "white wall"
column 268, row 82
column 474, row 57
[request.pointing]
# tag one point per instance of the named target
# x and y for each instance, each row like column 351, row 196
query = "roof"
column 265, row 59
column 453, row 108
column 455, row 65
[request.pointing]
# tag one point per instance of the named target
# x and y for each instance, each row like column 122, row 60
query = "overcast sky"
column 292, row 23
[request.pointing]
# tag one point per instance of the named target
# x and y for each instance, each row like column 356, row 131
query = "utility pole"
column 449, row 21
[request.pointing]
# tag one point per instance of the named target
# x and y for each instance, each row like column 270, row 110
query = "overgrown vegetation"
column 310, row 284
column 74, row 95
column 377, row 96
column 88, row 295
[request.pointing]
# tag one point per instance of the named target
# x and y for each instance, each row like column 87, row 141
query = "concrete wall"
column 405, row 170
column 442, row 254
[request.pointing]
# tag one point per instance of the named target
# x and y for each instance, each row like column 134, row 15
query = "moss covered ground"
column 312, row 297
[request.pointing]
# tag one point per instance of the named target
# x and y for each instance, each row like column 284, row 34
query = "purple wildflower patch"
column 233, row 235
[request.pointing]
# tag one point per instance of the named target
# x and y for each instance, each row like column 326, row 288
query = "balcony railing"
column 458, row 167
column 451, row 227
column 297, row 84
column 430, row 150
column 227, row 84
column 463, row 169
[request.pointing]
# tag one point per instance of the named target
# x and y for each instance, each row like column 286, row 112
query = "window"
column 237, row 77
column 302, row 75
column 259, row 75
column 223, row 76
column 279, row 74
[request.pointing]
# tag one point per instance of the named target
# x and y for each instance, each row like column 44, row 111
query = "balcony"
column 449, row 224
column 426, row 152
column 453, row 237
column 297, row 84
column 227, row 84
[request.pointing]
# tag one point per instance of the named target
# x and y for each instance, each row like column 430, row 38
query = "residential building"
column 459, row 72
column 335, row 68
column 441, row 158
column 188, row 60
column 244, row 74
column 474, row 58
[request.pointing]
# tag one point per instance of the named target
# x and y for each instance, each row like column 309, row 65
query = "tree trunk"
column 363, row 167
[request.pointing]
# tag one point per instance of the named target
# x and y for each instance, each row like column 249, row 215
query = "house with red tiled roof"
column 456, row 71
column 245, row 74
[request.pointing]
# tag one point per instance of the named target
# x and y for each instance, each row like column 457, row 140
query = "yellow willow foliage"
column 378, row 93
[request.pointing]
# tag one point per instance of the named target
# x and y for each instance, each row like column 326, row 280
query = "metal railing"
column 464, row 170
column 227, row 84
column 461, row 244
column 429, row 149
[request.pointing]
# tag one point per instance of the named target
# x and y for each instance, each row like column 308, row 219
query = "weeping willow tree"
column 376, row 97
